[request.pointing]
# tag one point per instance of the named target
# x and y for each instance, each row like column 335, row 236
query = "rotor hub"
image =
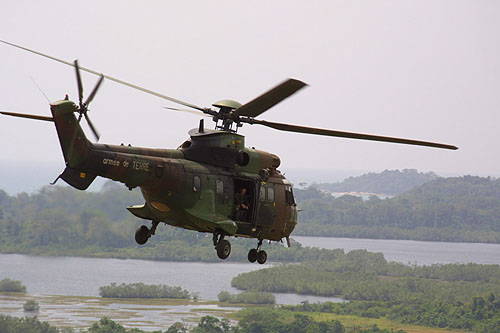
column 227, row 103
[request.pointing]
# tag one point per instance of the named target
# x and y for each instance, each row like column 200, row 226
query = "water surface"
column 77, row 276
column 415, row 252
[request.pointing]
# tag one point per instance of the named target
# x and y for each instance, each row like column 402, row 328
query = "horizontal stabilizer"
column 77, row 179
column 25, row 115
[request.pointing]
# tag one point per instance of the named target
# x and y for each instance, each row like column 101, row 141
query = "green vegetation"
column 106, row 325
column 445, row 209
column 28, row 324
column 141, row 290
column 12, row 286
column 453, row 296
column 275, row 320
column 31, row 306
column 388, row 182
column 63, row 221
column 361, row 275
column 247, row 297
column 478, row 315
column 250, row 323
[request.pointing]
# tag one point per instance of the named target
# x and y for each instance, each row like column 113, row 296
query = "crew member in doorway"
column 241, row 205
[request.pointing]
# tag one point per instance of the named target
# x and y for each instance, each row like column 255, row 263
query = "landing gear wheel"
column 223, row 249
column 252, row 255
column 142, row 235
column 261, row 257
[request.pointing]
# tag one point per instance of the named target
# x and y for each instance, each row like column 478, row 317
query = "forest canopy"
column 387, row 182
column 444, row 209
column 61, row 220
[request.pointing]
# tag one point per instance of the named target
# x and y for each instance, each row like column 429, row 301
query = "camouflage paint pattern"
column 191, row 187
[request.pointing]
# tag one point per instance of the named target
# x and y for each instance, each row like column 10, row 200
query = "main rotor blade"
column 171, row 99
column 79, row 81
column 270, row 98
column 25, row 115
column 92, row 94
column 350, row 135
column 198, row 113
column 92, row 127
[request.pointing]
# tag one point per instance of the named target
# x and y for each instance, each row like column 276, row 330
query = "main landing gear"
column 222, row 245
column 143, row 233
column 257, row 254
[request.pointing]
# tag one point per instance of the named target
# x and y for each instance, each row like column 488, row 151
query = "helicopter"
column 211, row 183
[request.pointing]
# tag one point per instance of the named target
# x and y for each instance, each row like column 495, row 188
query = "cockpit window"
column 289, row 198
column 262, row 195
column 270, row 194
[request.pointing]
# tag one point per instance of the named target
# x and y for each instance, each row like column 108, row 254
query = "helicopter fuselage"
column 192, row 187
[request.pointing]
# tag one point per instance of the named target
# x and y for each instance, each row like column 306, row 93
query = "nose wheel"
column 143, row 233
column 257, row 254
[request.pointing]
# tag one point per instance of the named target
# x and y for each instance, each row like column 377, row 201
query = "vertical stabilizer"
column 74, row 144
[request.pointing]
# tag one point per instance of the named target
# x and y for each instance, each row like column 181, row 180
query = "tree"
column 209, row 324
column 106, row 325
column 8, row 285
column 177, row 327
column 31, row 306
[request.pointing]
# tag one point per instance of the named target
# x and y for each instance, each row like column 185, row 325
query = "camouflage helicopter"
column 211, row 183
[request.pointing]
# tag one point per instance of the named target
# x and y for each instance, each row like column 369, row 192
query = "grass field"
column 383, row 323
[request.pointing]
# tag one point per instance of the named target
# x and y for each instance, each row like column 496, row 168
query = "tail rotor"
column 83, row 106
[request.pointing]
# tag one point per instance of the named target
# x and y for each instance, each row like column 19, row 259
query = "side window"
column 262, row 194
column 270, row 194
column 196, row 183
column 219, row 187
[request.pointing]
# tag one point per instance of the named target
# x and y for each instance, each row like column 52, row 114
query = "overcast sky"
column 426, row 70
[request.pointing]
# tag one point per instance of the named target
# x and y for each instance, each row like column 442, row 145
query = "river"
column 413, row 252
column 77, row 276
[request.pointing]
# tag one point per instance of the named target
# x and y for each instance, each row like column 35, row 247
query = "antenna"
column 201, row 128
column 40, row 89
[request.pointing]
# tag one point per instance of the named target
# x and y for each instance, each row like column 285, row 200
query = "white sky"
column 426, row 70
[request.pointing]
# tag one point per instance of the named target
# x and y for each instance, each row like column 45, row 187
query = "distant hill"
column 388, row 182
column 444, row 209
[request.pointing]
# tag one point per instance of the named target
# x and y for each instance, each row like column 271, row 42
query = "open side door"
column 252, row 187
